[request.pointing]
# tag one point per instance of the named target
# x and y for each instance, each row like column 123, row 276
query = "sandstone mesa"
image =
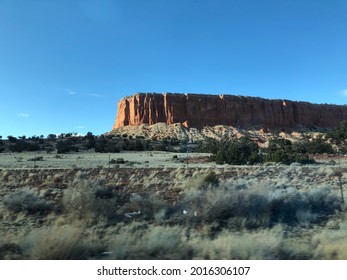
column 202, row 110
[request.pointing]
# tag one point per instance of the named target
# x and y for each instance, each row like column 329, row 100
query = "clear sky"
column 64, row 64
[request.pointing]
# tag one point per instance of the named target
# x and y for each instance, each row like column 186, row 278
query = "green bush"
column 283, row 151
column 339, row 136
column 66, row 146
column 90, row 140
column 106, row 144
column 24, row 145
column 208, row 146
column 242, row 151
column 319, row 146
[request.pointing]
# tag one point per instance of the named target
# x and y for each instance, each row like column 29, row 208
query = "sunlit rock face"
column 200, row 110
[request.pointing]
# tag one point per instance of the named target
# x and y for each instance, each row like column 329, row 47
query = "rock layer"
column 199, row 110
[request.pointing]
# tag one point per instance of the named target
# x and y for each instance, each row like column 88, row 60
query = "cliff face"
column 198, row 110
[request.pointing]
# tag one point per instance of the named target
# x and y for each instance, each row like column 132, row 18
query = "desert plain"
column 169, row 205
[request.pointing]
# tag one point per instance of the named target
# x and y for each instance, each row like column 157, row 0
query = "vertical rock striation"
column 199, row 110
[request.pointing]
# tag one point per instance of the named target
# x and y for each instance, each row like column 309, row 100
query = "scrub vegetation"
column 126, row 197
column 258, row 212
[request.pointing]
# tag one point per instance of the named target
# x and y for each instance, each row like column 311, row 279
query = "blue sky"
column 65, row 64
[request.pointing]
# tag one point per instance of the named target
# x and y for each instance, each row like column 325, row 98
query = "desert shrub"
column 296, row 208
column 89, row 140
column 106, row 202
column 80, row 198
column 24, row 145
column 138, row 145
column 117, row 161
column 318, row 146
column 104, row 193
column 245, row 151
column 287, row 157
column 60, row 242
column 294, row 248
column 51, row 137
column 339, row 134
column 161, row 242
column 283, row 151
column 120, row 161
column 11, row 139
column 31, row 147
column 106, row 209
column 255, row 245
column 202, row 206
column 26, row 200
column 16, row 148
column 174, row 141
column 160, row 146
column 139, row 241
column 236, row 208
column 208, row 146
column 331, row 244
column 211, row 180
column 242, row 151
column 89, row 200
column 48, row 148
column 339, row 137
column 134, row 145
column 148, row 205
column 9, row 250
column 1, row 148
column 106, row 144
column 38, row 158
column 66, row 146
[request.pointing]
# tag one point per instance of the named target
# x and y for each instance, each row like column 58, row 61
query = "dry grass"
column 259, row 212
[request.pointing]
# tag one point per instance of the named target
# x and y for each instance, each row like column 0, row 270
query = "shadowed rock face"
column 199, row 110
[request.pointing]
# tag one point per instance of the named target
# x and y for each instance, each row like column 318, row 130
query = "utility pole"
column 187, row 154
column 339, row 176
column 109, row 163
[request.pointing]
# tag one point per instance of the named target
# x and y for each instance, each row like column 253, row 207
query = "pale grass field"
column 94, row 160
column 76, row 207
column 146, row 159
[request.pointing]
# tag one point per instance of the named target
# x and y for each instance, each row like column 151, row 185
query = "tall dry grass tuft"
column 59, row 242
column 140, row 241
column 331, row 244
column 262, row 244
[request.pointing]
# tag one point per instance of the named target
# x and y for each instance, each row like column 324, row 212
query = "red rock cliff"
column 199, row 110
